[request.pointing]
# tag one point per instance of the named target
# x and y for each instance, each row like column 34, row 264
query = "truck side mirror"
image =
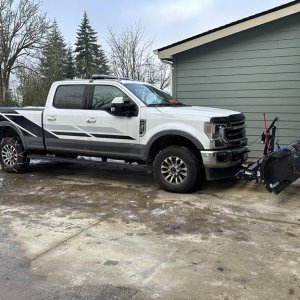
column 118, row 100
column 119, row 107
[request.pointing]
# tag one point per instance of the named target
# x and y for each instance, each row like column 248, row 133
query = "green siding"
column 255, row 71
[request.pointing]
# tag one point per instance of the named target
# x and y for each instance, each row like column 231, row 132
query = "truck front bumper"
column 220, row 164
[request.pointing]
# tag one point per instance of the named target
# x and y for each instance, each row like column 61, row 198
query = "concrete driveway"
column 85, row 232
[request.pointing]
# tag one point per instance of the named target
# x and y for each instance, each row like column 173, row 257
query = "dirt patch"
column 89, row 232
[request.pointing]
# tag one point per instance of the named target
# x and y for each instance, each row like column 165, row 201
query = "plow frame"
column 276, row 169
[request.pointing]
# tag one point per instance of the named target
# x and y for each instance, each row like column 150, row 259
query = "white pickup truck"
column 126, row 120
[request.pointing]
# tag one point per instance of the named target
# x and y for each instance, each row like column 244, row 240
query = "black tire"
column 13, row 158
column 177, row 169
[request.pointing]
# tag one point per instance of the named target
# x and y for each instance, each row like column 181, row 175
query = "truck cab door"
column 111, row 134
column 63, row 119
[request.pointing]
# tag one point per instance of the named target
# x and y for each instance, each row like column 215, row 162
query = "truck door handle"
column 51, row 118
column 91, row 120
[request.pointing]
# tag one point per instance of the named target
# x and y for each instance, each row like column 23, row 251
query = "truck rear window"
column 69, row 97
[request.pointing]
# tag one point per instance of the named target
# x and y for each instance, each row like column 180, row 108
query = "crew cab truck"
column 126, row 120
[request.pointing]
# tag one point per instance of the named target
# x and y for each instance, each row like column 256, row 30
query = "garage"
column 251, row 65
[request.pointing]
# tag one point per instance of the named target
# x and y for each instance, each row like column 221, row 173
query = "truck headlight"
column 212, row 131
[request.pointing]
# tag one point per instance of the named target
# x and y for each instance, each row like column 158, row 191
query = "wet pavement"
column 89, row 232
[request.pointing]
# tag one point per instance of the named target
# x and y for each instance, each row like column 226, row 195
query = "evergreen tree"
column 54, row 55
column 90, row 58
column 70, row 67
column 53, row 62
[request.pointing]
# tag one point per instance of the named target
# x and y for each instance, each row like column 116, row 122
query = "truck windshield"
column 152, row 96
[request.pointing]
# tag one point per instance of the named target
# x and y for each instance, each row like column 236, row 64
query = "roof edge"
column 229, row 29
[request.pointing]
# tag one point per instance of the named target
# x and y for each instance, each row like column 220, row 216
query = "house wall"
column 255, row 71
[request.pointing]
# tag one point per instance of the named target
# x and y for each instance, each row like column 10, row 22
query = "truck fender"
column 6, row 124
column 161, row 134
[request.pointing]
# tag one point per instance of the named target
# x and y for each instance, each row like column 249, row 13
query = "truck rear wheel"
column 176, row 169
column 12, row 155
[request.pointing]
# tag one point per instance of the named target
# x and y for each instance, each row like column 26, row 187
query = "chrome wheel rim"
column 174, row 170
column 9, row 155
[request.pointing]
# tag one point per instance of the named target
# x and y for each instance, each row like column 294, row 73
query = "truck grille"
column 232, row 128
column 233, row 134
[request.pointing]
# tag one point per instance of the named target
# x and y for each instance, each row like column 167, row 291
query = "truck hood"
column 208, row 112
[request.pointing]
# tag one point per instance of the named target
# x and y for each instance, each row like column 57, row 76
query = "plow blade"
column 281, row 168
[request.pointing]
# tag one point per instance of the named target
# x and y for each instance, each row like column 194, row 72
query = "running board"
column 83, row 161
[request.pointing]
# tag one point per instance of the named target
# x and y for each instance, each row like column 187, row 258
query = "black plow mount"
column 277, row 169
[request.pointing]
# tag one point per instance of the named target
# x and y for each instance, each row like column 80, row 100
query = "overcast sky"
column 165, row 21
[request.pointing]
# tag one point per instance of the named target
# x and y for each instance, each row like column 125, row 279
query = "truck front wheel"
column 176, row 169
column 12, row 155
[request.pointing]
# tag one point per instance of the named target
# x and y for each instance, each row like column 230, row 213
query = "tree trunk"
column 4, row 84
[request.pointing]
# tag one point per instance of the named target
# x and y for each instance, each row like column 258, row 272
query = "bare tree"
column 159, row 74
column 30, row 87
column 131, row 56
column 22, row 29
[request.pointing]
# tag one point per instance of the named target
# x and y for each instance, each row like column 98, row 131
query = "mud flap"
column 281, row 168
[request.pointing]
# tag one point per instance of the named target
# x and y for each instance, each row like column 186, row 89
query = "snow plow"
column 277, row 169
